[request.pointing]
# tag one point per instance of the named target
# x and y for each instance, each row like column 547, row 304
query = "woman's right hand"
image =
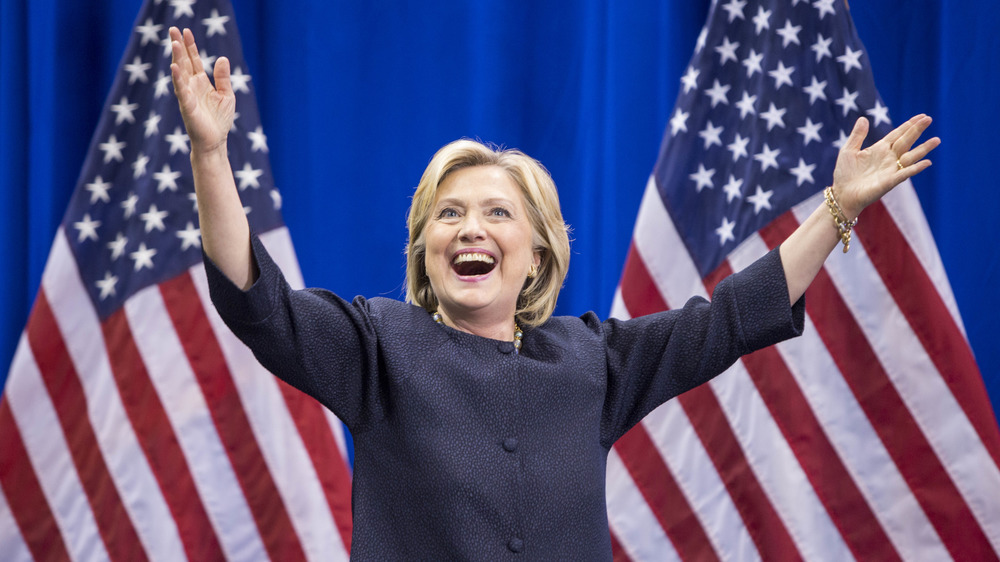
column 208, row 111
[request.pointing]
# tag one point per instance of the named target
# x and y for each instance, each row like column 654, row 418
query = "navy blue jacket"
column 465, row 450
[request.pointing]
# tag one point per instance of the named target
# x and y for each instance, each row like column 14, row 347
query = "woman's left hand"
column 862, row 177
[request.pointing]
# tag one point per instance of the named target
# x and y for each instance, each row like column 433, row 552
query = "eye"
column 499, row 212
column 447, row 213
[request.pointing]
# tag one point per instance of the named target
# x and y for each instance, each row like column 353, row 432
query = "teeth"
column 473, row 256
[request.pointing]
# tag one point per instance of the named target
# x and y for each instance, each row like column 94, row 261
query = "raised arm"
column 860, row 178
column 208, row 112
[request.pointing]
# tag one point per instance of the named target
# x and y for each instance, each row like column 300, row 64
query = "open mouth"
column 473, row 263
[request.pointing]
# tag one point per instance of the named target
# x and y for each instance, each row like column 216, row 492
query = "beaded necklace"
column 518, row 334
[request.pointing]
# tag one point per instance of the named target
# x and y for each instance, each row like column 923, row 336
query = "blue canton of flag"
column 133, row 219
column 769, row 87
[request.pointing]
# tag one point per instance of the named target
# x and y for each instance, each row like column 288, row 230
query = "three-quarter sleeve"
column 654, row 358
column 311, row 338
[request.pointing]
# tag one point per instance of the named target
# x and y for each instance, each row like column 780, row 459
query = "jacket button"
column 510, row 444
column 515, row 544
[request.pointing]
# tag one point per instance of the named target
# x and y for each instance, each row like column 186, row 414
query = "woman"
column 482, row 424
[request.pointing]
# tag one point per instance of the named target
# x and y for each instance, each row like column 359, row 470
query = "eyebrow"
column 485, row 202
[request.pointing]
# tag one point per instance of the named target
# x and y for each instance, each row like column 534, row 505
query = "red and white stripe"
column 155, row 434
column 868, row 437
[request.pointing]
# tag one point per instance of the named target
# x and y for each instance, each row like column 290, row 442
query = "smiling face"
column 479, row 246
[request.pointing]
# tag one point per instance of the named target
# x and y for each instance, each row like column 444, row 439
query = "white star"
column 678, row 122
column 815, row 90
column 733, row 189
column 190, row 237
column 735, row 9
column 143, row 257
column 803, row 172
column 725, row 232
column 123, row 111
column 258, row 140
column 248, row 176
column 850, row 59
column 194, row 201
column 107, row 285
column 117, row 246
column 178, row 141
column 154, row 218
column 167, row 179
column 782, row 75
column 161, row 84
column 240, row 81
column 774, row 116
column 87, row 228
column 112, row 149
column 182, row 8
column 727, row 50
column 710, row 134
column 841, row 140
column 824, row 7
column 768, row 158
column 718, row 93
column 847, row 101
column 247, row 209
column 739, row 147
column 207, row 61
column 215, row 24
column 129, row 204
column 149, row 30
column 880, row 113
column 822, row 47
column 762, row 20
column 745, row 105
column 789, row 33
column 752, row 62
column 810, row 131
column 700, row 43
column 761, row 200
column 139, row 166
column 152, row 124
column 703, row 178
column 276, row 197
column 137, row 70
column 99, row 190
column 165, row 43
column 690, row 79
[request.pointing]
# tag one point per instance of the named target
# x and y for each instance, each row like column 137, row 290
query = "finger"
column 918, row 153
column 176, row 48
column 905, row 141
column 858, row 134
column 912, row 170
column 222, row 82
column 179, row 58
column 898, row 131
column 192, row 52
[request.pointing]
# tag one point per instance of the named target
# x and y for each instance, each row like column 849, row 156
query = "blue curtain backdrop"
column 356, row 96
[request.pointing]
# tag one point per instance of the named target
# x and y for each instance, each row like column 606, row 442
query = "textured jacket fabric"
column 466, row 450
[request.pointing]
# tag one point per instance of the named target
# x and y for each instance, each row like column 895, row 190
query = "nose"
column 471, row 228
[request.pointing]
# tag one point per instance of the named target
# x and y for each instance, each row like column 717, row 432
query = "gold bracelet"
column 844, row 226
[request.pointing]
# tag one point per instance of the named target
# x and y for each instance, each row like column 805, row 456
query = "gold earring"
column 532, row 271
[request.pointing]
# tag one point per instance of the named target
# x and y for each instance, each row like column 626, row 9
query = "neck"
column 501, row 328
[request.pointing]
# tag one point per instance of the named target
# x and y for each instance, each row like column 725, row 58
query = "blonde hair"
column 550, row 233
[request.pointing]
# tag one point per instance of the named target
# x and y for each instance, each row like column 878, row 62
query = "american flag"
column 134, row 425
column 869, row 437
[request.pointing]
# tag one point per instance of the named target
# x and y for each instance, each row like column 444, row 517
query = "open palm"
column 208, row 111
column 861, row 177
